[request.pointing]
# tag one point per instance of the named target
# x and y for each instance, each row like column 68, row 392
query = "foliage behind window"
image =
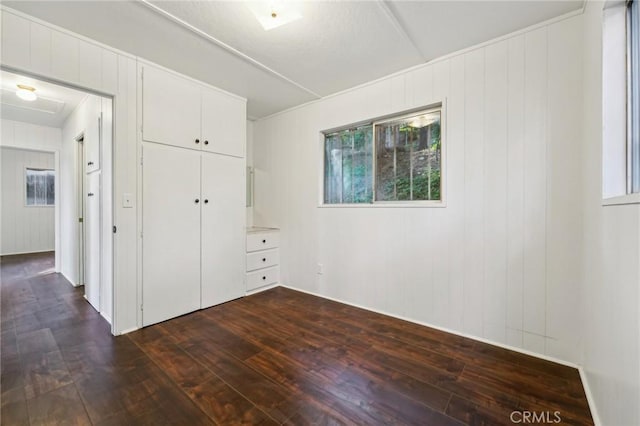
column 407, row 153
column 40, row 187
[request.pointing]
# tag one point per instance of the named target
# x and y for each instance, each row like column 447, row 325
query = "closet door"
column 170, row 109
column 170, row 232
column 224, row 121
column 93, row 256
column 223, row 228
column 93, row 134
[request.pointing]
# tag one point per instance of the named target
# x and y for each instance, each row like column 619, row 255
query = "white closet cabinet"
column 170, row 109
column 181, row 112
column 223, row 228
column 171, row 232
column 224, row 123
column 92, row 250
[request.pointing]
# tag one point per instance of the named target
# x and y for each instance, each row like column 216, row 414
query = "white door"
column 170, row 109
column 93, row 134
column 171, row 232
column 223, row 228
column 92, row 239
column 224, row 121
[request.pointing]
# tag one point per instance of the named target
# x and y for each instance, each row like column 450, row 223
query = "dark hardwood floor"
column 278, row 357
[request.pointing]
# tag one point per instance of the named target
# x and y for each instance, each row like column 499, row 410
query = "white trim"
column 27, row 252
column 622, row 200
column 225, row 46
column 261, row 289
column 590, row 399
column 446, row 330
column 107, row 318
column 387, row 205
column 128, row 330
column 74, row 284
column 525, row 30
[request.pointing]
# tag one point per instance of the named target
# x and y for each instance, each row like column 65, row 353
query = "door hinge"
column 80, row 219
column 141, row 308
column 115, row 229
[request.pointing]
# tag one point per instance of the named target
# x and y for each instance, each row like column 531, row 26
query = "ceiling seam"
column 226, row 47
column 395, row 22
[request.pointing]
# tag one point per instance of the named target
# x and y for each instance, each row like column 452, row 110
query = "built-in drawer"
column 262, row 241
column 262, row 277
column 262, row 259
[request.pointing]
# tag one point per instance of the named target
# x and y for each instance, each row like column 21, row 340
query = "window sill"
column 388, row 205
column 622, row 200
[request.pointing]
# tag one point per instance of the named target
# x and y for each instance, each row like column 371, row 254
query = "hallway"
column 60, row 363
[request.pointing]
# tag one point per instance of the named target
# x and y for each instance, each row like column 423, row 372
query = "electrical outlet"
column 127, row 201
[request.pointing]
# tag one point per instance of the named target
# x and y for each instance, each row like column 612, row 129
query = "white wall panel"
column 483, row 257
column 90, row 66
column 65, row 59
column 15, row 41
column 40, row 51
column 535, row 184
column 25, row 229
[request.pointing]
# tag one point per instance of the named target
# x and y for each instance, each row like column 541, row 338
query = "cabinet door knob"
column 264, row 241
column 197, row 140
column 206, row 142
column 206, row 201
column 197, row 200
column 90, row 163
column 264, row 278
column 90, row 194
column 264, row 259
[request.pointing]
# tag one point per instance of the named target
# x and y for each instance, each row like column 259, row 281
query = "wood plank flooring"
column 278, row 357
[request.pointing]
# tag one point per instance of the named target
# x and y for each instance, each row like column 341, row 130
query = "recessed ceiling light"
column 274, row 14
column 26, row 93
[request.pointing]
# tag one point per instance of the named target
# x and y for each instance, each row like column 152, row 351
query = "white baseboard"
column 128, row 330
column 261, row 289
column 69, row 279
column 106, row 317
column 590, row 399
column 27, row 252
column 446, row 330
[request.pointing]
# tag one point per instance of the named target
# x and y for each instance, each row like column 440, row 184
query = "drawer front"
column 262, row 241
column 262, row 277
column 262, row 259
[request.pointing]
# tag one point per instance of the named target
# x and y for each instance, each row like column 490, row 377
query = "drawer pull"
column 264, row 259
column 90, row 163
column 264, row 278
column 206, row 142
column 197, row 140
column 264, row 241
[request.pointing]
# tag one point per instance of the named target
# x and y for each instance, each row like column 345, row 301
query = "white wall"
column 35, row 138
column 25, row 229
column 502, row 260
column 44, row 50
column 611, row 253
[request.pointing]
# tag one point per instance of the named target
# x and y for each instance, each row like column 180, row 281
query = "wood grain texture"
column 277, row 357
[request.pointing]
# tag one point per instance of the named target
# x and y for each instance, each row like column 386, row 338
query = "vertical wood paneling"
column 515, row 185
column 535, row 183
column 455, row 191
column 563, row 225
column 65, row 57
column 90, row 66
column 441, row 218
column 40, row 51
column 495, row 200
column 15, row 41
column 109, row 72
column 474, row 192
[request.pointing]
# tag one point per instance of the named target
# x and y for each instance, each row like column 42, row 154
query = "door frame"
column 81, row 207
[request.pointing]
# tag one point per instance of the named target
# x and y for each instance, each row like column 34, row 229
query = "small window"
column 633, row 97
column 40, row 187
column 398, row 159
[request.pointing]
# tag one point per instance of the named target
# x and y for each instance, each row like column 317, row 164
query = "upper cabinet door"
column 224, row 123
column 170, row 109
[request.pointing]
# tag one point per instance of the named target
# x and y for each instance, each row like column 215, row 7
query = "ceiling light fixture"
column 273, row 14
column 26, row 93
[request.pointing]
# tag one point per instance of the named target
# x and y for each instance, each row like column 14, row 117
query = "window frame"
column 437, row 106
column 632, row 36
column 39, row 169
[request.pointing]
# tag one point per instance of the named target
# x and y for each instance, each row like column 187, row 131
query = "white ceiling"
column 53, row 106
column 334, row 46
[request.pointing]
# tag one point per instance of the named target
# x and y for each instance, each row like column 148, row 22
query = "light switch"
column 127, row 200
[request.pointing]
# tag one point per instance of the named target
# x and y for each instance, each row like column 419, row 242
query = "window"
column 40, row 187
column 633, row 97
column 393, row 160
